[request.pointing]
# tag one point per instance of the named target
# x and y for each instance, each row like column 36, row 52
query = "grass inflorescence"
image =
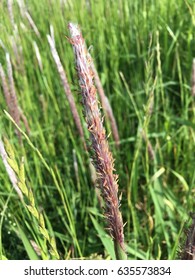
column 141, row 62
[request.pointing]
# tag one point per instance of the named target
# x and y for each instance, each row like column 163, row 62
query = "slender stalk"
column 150, row 149
column 103, row 160
column 32, row 24
column 38, row 55
column 193, row 78
column 18, row 53
column 66, row 87
column 52, row 33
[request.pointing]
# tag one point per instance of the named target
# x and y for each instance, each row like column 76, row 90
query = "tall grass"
column 143, row 53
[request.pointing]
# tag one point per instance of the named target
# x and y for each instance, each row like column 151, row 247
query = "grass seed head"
column 102, row 156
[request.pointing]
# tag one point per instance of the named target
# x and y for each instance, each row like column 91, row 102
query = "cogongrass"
column 11, row 97
column 158, row 193
column 102, row 157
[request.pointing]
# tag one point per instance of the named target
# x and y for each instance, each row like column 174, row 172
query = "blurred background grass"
column 143, row 51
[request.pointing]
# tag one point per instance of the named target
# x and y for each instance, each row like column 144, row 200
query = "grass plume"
column 11, row 97
column 157, row 181
column 66, row 87
column 103, row 160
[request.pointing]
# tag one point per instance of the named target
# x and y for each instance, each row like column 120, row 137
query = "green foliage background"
column 143, row 51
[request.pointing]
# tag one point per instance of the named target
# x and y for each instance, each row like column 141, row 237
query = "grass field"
column 143, row 52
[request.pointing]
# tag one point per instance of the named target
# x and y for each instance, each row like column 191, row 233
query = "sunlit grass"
column 143, row 51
